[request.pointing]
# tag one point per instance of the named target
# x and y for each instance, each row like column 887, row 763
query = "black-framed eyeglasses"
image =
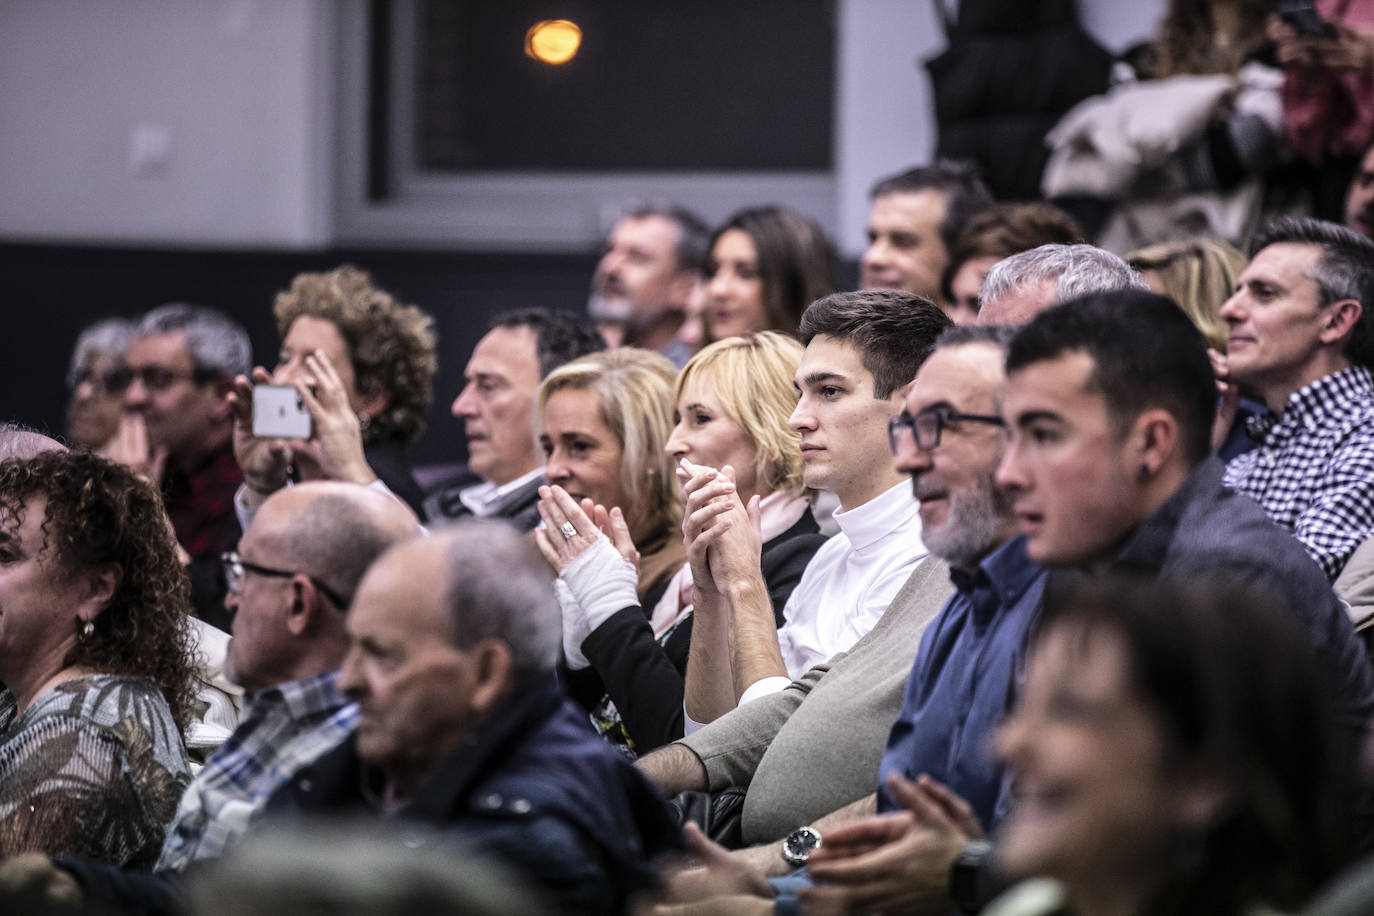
column 157, row 378
column 114, row 381
column 236, row 566
column 927, row 425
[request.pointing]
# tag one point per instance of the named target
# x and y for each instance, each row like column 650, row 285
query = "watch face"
column 800, row 843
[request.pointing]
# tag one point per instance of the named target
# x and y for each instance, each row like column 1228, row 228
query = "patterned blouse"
column 95, row 768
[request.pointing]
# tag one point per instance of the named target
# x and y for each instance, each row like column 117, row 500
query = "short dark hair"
column 1345, row 270
column 997, row 335
column 893, row 330
column 693, row 236
column 965, row 193
column 1006, row 229
column 1237, row 699
column 795, row 260
column 560, row 336
column 1146, row 353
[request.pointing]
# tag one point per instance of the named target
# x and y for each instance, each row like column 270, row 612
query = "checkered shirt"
column 283, row 729
column 1313, row 472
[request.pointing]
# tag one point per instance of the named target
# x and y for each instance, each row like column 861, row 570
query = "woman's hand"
column 560, row 545
column 265, row 462
column 1345, row 49
column 335, row 446
column 721, row 533
column 129, row 446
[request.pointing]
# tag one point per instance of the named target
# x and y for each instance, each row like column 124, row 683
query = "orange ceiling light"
column 553, row 41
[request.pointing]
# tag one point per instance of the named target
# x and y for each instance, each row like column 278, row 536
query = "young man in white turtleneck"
column 862, row 351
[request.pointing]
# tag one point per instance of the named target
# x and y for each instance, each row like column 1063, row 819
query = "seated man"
column 461, row 724
column 1019, row 287
column 1302, row 339
column 646, row 278
column 295, row 570
column 948, row 439
column 505, row 464
column 176, row 430
column 912, row 227
column 862, row 349
column 1110, row 403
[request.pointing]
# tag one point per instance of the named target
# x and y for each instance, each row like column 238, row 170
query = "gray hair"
column 1077, row 270
column 693, row 241
column 498, row 588
column 337, row 535
column 110, row 337
column 996, row 335
column 218, row 344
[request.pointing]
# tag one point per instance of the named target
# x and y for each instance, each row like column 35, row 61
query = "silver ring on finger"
column 567, row 530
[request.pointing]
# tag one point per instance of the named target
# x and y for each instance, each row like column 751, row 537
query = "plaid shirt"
column 1313, row 472
column 283, row 729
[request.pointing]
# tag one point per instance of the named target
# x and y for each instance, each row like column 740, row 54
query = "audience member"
column 1199, row 274
column 733, row 399
column 1155, row 772
column 496, row 406
column 1023, row 285
column 364, row 408
column 767, row 264
column 948, row 439
column 1359, row 197
column 917, row 215
column 96, row 382
column 461, row 725
column 1302, row 340
column 862, row 350
column 176, row 431
column 996, row 233
column 95, row 661
column 288, row 642
column 653, row 261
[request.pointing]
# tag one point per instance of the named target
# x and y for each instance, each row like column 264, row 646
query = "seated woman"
column 94, row 654
column 1155, row 772
column 733, row 401
column 767, row 264
column 382, row 354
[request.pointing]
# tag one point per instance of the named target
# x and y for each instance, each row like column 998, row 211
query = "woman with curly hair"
column 375, row 384
column 95, row 658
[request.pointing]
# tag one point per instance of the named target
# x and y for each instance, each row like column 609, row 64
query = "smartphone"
column 279, row 414
column 1304, row 19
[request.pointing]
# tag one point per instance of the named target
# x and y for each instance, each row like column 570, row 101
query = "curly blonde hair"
column 100, row 512
column 752, row 377
column 391, row 345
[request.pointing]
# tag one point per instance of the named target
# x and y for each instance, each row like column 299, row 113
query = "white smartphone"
column 279, row 414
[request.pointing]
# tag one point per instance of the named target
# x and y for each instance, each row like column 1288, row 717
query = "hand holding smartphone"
column 279, row 414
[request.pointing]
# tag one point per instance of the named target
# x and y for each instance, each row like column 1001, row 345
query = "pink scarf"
column 778, row 511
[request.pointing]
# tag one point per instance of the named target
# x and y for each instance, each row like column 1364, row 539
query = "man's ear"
column 493, row 671
column 222, row 412
column 1153, row 440
column 1340, row 321
column 307, row 604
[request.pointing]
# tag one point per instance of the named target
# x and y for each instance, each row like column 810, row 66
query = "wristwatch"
column 799, row 845
column 966, row 877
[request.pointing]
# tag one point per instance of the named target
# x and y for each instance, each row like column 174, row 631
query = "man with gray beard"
column 949, row 439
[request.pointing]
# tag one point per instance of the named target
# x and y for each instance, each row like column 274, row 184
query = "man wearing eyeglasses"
column 177, row 427
column 949, row 441
column 290, row 583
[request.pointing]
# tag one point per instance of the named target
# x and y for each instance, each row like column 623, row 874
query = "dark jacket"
column 520, row 507
column 534, row 789
column 389, row 462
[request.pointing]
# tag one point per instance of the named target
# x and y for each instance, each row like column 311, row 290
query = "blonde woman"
column 1199, row 274
column 731, row 405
